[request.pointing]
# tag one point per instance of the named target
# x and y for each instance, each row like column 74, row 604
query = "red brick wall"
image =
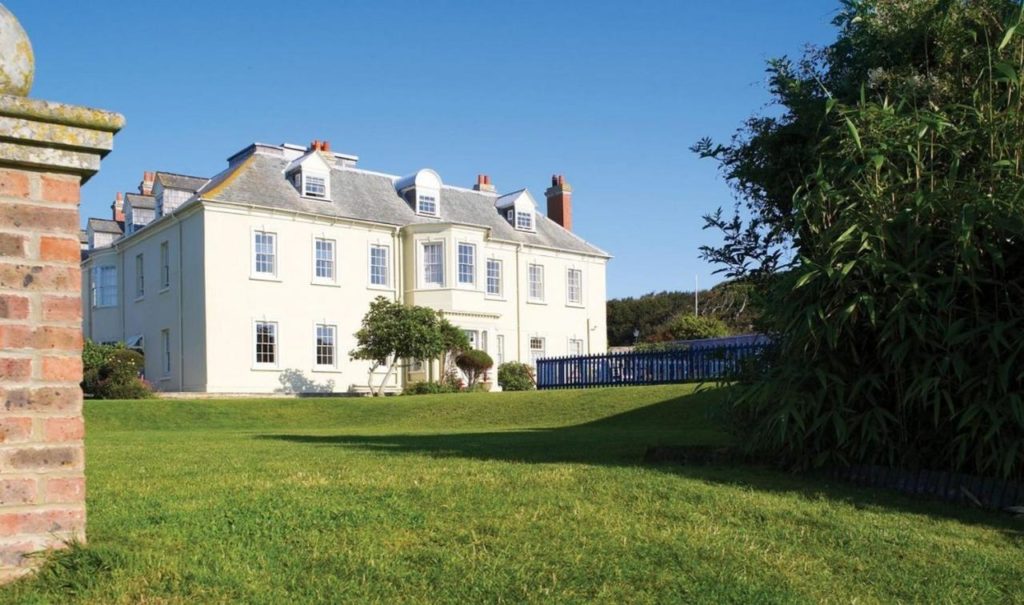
column 42, row 483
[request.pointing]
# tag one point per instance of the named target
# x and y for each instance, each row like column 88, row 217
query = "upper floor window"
column 574, row 287
column 494, row 277
column 264, row 257
column 265, row 345
column 104, row 286
column 426, row 204
column 140, row 277
column 433, row 264
column 314, row 186
column 536, row 282
column 467, row 264
column 165, row 265
column 379, row 265
column 326, row 343
column 324, row 261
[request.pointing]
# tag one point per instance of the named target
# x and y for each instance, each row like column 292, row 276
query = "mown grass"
column 536, row 497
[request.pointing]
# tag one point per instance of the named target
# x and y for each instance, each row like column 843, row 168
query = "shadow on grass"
column 622, row 440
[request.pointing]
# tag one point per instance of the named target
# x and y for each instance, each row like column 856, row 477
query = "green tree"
column 473, row 364
column 392, row 331
column 885, row 230
column 694, row 327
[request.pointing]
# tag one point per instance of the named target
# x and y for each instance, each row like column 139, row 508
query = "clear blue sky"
column 611, row 94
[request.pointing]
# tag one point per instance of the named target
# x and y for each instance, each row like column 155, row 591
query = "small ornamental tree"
column 392, row 331
column 474, row 364
column 454, row 341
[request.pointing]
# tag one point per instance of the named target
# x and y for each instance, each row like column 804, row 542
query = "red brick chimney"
column 118, row 208
column 560, row 201
column 483, row 183
column 318, row 145
column 146, row 186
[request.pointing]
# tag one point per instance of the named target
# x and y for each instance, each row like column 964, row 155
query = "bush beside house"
column 113, row 372
column 515, row 376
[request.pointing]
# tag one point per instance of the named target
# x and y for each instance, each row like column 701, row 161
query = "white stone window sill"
column 330, row 284
column 326, row 370
column 266, row 369
column 270, row 278
column 536, row 302
column 384, row 288
column 164, row 290
column 575, row 305
column 496, row 297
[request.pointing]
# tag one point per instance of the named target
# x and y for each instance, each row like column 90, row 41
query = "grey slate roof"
column 103, row 225
column 258, row 179
column 180, row 181
column 143, row 202
column 83, row 236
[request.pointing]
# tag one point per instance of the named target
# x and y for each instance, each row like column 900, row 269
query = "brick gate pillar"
column 47, row 150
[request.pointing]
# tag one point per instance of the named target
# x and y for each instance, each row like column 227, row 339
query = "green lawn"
column 490, row 498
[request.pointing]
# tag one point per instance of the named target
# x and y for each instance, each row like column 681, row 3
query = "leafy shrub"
column 886, row 235
column 515, row 376
column 429, row 388
column 474, row 363
column 692, row 327
column 117, row 376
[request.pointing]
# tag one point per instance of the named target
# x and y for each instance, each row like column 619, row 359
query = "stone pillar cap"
column 17, row 63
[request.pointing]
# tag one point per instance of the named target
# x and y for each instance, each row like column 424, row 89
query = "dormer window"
column 422, row 191
column 426, row 204
column 519, row 209
column 314, row 186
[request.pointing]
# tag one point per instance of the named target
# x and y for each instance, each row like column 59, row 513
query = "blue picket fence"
column 697, row 361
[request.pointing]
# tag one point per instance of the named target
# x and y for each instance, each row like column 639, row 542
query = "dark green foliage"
column 899, row 319
column 474, row 363
column 514, row 376
column 429, row 388
column 118, row 377
column 693, row 327
column 731, row 303
column 112, row 372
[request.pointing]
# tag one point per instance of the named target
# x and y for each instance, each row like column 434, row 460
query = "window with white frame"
column 433, row 264
column 426, row 204
column 104, row 286
column 493, row 277
column 380, row 265
column 536, row 282
column 467, row 264
column 264, row 253
column 324, row 261
column 576, row 346
column 265, row 345
column 537, row 347
column 524, row 220
column 165, row 265
column 140, row 277
column 165, row 352
column 500, row 344
column 574, row 287
column 314, row 186
column 326, row 345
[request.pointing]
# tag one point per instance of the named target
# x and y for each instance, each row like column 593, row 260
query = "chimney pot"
column 483, row 183
column 326, row 146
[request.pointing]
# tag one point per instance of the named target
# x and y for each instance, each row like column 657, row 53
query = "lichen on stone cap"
column 17, row 63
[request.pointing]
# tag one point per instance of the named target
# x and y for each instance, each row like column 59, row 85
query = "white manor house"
column 255, row 280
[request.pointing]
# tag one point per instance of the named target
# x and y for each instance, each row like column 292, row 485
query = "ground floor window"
column 501, row 349
column 326, row 344
column 576, row 346
column 537, row 347
column 165, row 351
column 266, row 343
